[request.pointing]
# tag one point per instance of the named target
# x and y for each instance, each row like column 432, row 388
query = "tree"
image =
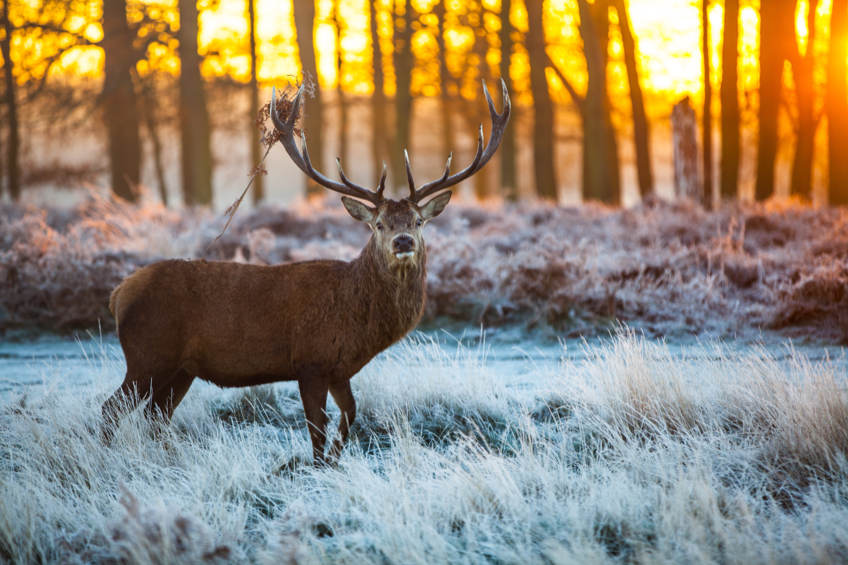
column 836, row 104
column 507, row 148
column 641, row 132
column 483, row 181
column 803, row 66
column 404, row 60
column 253, row 107
column 543, row 119
column 304, row 22
column 730, row 102
column 776, row 31
column 707, row 125
column 378, row 100
column 13, row 179
column 120, row 103
column 194, row 116
column 444, row 79
column 343, row 109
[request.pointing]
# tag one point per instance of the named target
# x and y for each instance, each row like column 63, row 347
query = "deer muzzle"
column 403, row 246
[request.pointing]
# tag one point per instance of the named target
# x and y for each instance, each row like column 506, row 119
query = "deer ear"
column 434, row 207
column 358, row 210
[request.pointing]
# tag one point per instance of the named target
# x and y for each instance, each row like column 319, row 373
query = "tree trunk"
column 641, row 133
column 194, row 117
column 13, row 179
column 543, row 119
column 342, row 101
column 253, row 107
column 685, row 141
column 707, row 125
column 601, row 177
column 730, row 102
column 802, row 71
column 483, row 182
column 776, row 30
column 378, row 100
column 403, row 62
column 507, row 147
column 304, row 22
column 119, row 101
column 836, row 104
column 445, row 77
column 149, row 100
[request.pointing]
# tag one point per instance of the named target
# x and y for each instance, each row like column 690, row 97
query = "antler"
column 302, row 159
column 482, row 157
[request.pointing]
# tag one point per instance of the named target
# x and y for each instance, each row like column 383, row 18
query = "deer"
column 315, row 322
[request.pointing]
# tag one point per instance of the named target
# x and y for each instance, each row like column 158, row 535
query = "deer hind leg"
column 344, row 399
column 168, row 396
column 313, row 394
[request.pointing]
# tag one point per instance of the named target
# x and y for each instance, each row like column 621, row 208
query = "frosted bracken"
column 665, row 268
column 633, row 454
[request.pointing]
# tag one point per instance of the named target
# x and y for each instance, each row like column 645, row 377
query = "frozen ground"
column 613, row 449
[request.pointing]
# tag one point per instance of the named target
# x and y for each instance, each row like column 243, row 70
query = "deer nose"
column 403, row 243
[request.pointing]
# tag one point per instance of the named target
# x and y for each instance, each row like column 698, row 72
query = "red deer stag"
column 315, row 322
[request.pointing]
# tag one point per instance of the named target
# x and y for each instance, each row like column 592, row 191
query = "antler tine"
column 301, row 158
column 382, row 186
column 409, row 178
column 499, row 123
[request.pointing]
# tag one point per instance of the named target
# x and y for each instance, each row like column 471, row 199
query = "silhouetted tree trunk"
column 836, row 104
column 343, row 109
column 378, row 100
column 707, row 124
column 507, row 147
column 802, row 71
column 601, row 176
column 543, row 119
column 641, row 133
column 119, row 100
column 149, row 99
column 444, row 78
column 776, row 31
column 194, row 116
column 253, row 107
column 13, row 175
column 304, row 22
column 483, row 181
column 730, row 102
column 403, row 61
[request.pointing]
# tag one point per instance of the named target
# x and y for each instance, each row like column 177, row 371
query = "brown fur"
column 316, row 322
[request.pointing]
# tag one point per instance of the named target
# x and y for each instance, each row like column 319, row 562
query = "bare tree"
column 194, row 116
column 445, row 78
column 13, row 178
column 776, row 33
column 304, row 22
column 805, row 94
column 378, row 100
column 404, row 61
column 707, row 124
column 508, row 180
column 730, row 102
column 836, row 104
column 342, row 101
column 543, row 119
column 641, row 131
column 253, row 107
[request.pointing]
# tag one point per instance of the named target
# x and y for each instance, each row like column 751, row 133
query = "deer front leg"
column 313, row 394
column 343, row 397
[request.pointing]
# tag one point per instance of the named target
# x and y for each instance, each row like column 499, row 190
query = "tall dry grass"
column 635, row 454
column 665, row 268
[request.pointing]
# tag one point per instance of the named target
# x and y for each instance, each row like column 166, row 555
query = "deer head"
column 396, row 224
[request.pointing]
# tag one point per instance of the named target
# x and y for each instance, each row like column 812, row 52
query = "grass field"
column 631, row 455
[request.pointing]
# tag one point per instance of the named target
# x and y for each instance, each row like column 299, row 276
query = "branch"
column 579, row 101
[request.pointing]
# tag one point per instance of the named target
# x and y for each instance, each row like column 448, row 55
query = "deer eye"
column 380, row 226
column 419, row 223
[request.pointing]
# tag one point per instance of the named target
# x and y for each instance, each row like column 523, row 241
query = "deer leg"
column 313, row 394
column 167, row 397
column 343, row 397
column 132, row 391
